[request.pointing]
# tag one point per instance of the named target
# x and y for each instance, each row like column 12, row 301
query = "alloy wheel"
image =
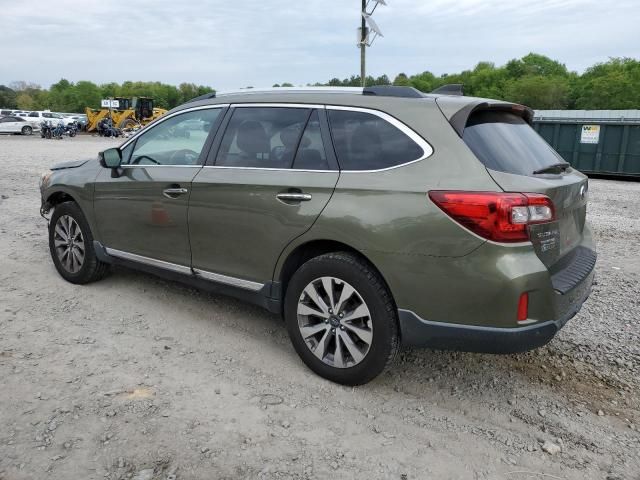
column 335, row 322
column 69, row 243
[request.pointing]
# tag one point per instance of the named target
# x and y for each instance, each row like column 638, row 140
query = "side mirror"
column 111, row 158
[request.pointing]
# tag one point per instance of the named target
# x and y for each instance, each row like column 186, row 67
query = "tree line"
column 65, row 96
column 534, row 80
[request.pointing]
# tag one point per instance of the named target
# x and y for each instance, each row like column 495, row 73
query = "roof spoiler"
column 459, row 119
column 456, row 89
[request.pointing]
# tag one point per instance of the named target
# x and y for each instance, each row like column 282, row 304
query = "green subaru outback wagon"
column 369, row 219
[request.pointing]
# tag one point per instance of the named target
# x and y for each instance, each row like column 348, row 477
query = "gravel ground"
column 135, row 377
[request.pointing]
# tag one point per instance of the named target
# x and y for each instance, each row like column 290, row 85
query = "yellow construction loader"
column 129, row 114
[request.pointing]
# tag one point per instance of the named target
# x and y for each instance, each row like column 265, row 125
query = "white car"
column 50, row 117
column 14, row 124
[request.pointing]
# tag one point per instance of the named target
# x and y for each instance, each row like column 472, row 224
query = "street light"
column 368, row 25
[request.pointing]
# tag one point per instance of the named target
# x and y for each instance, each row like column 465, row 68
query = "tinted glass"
column 262, row 137
column 176, row 141
column 505, row 142
column 34, row 114
column 6, row 119
column 364, row 141
column 311, row 154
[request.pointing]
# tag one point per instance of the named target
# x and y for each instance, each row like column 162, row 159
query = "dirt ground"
column 135, row 377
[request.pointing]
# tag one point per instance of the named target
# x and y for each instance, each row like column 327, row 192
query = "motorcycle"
column 46, row 130
column 58, row 131
column 71, row 130
column 106, row 128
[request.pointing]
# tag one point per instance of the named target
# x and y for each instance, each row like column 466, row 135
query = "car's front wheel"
column 71, row 246
column 341, row 318
column 27, row 130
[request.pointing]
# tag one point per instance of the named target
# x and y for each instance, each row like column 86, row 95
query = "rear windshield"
column 505, row 142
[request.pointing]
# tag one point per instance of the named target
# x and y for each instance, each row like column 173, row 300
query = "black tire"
column 27, row 130
column 127, row 123
column 375, row 294
column 91, row 269
column 47, row 135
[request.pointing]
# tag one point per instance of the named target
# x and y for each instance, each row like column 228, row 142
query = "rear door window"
column 364, row 141
column 311, row 154
column 262, row 137
column 505, row 142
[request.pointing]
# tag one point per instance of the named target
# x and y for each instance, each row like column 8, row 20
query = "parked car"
column 11, row 124
column 53, row 118
column 368, row 219
column 80, row 120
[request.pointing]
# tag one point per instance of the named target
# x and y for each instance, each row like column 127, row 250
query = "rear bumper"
column 418, row 332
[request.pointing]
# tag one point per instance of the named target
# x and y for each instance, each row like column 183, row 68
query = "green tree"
column 610, row 85
column 538, row 92
column 402, row 80
column 24, row 101
column 535, row 64
column 7, row 97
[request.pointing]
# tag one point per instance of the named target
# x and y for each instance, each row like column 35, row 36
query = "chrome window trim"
column 149, row 261
column 271, row 169
column 427, row 149
column 156, row 166
column 162, row 119
column 174, row 267
column 233, row 281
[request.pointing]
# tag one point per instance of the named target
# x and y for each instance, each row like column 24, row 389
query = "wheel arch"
column 304, row 252
column 57, row 197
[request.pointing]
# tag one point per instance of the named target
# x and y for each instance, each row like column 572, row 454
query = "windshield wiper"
column 562, row 166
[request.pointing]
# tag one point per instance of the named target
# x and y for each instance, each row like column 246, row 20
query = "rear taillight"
column 501, row 217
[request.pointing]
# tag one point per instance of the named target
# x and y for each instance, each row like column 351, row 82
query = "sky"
column 229, row 44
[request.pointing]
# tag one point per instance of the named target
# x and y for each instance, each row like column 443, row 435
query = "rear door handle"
column 174, row 192
column 294, row 197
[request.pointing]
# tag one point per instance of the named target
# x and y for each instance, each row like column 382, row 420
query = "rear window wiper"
column 562, row 166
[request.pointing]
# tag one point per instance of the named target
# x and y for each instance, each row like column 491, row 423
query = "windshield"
column 505, row 142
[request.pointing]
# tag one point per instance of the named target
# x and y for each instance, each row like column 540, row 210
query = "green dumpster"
column 595, row 142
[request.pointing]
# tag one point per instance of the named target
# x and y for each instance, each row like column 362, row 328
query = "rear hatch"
column 519, row 160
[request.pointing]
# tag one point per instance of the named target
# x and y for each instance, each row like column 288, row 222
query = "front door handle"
column 294, row 197
column 174, row 192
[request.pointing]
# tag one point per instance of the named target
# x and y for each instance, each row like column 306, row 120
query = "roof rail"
column 450, row 89
column 378, row 90
column 203, row 97
column 393, row 91
column 250, row 91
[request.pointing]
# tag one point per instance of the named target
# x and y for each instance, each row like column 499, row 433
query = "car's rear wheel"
column 341, row 318
column 27, row 130
column 71, row 246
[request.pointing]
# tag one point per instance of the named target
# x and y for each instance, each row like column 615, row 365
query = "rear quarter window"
column 505, row 142
column 364, row 141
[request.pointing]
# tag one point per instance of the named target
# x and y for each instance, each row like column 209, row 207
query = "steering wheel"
column 185, row 153
column 136, row 161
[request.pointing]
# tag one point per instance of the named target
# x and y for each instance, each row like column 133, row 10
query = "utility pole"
column 363, row 46
column 366, row 25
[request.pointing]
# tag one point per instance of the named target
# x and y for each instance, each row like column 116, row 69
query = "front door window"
column 176, row 141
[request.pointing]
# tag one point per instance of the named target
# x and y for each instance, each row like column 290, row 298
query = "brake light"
column 497, row 216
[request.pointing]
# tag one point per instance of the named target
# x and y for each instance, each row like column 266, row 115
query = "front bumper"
column 418, row 332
